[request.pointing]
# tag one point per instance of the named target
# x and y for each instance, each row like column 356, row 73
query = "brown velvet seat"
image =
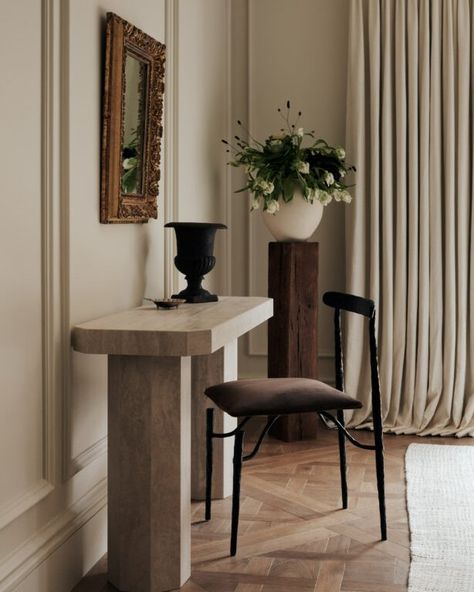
column 278, row 396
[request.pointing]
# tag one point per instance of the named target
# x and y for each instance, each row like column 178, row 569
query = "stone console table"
column 159, row 362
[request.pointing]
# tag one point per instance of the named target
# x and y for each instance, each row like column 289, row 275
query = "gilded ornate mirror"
column 132, row 123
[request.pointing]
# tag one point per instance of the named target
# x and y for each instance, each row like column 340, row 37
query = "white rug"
column 440, row 497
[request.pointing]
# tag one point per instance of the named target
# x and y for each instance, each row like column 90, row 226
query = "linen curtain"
column 409, row 228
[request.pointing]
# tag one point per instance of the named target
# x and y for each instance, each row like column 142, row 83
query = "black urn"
column 194, row 259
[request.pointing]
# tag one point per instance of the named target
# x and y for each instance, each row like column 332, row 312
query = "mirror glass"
column 134, row 116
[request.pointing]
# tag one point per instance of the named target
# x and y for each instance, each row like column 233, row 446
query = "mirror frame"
column 115, row 206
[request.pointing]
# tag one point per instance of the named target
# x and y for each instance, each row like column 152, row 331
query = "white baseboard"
column 55, row 558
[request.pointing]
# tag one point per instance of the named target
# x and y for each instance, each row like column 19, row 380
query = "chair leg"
column 238, row 453
column 379, row 464
column 209, row 432
column 342, row 458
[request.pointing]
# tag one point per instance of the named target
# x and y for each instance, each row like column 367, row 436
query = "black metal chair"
column 274, row 397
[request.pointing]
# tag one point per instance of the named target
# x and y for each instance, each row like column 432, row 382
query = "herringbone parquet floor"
column 293, row 536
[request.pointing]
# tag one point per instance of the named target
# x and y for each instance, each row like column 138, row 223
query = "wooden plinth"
column 293, row 329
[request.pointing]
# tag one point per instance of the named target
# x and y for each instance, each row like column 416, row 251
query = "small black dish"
column 167, row 303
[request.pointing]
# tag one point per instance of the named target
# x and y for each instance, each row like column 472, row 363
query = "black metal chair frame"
column 338, row 301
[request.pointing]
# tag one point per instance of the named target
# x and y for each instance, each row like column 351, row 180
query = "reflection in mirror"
column 134, row 115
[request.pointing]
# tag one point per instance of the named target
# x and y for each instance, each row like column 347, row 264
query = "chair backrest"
column 365, row 307
column 349, row 302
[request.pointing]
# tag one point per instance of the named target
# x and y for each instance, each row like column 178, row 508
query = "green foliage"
column 130, row 165
column 282, row 165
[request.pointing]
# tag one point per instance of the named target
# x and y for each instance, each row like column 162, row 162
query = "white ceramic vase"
column 295, row 220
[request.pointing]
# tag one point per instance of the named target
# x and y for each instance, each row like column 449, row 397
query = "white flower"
column 329, row 179
column 127, row 165
column 270, row 188
column 275, row 141
column 340, row 152
column 303, row 167
column 266, row 187
column 255, row 204
column 324, row 197
column 295, row 140
column 342, row 173
column 273, row 206
column 300, row 132
column 346, row 197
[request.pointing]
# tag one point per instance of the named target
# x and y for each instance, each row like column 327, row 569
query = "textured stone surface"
column 154, row 390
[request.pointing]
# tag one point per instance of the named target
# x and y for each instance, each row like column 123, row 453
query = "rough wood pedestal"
column 293, row 330
column 160, row 361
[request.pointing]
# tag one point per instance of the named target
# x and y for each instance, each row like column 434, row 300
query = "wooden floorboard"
column 293, row 536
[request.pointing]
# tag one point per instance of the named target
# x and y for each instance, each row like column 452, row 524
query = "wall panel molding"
column 89, row 455
column 18, row 506
column 70, row 465
column 256, row 341
column 228, row 174
column 51, row 267
column 64, row 164
column 171, row 180
column 22, row 561
column 14, row 508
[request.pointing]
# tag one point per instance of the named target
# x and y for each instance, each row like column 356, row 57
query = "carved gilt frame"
column 115, row 206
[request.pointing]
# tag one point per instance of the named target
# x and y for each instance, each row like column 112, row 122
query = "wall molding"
column 14, row 508
column 64, row 239
column 11, row 510
column 228, row 169
column 23, row 560
column 254, row 346
column 48, row 203
column 171, row 123
column 88, row 456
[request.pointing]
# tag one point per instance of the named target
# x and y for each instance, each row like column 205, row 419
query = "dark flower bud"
column 287, row 104
column 224, row 141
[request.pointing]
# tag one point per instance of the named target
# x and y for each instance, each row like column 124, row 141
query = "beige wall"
column 20, row 256
column 204, row 118
column 295, row 50
column 60, row 267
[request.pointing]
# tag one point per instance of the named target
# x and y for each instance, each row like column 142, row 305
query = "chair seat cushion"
column 278, row 396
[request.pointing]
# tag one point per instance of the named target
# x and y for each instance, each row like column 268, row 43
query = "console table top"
column 191, row 329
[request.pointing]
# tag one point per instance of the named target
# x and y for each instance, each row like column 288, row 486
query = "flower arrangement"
column 282, row 166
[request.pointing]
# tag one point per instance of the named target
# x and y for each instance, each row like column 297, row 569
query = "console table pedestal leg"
column 149, row 513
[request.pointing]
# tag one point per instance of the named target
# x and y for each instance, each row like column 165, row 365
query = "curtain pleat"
column 409, row 228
